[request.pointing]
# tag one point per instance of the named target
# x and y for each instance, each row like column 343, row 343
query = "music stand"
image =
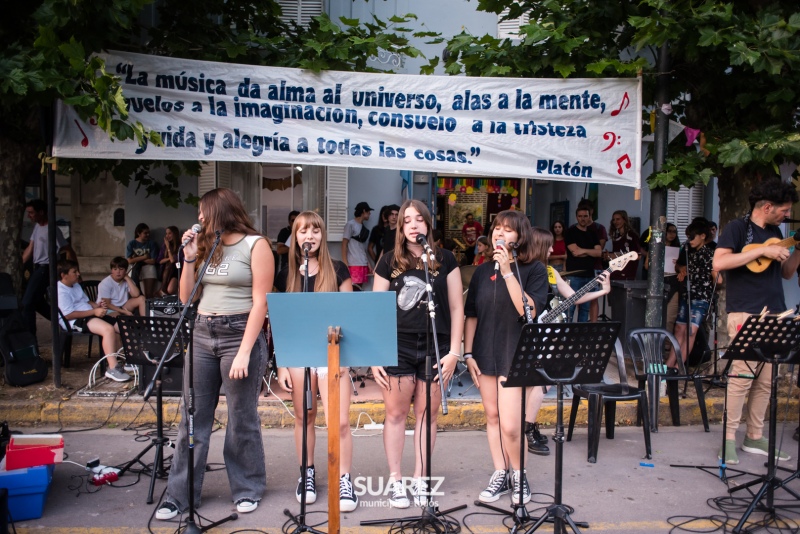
column 774, row 340
column 144, row 340
column 308, row 326
column 547, row 354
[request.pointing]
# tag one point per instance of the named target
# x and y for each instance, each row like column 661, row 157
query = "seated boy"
column 118, row 292
column 88, row 316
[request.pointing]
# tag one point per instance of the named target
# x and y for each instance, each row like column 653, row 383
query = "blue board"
column 300, row 322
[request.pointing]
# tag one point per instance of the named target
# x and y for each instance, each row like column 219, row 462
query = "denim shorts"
column 699, row 312
column 411, row 349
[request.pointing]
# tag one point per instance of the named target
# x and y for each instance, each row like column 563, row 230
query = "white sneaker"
column 498, row 485
column 348, row 500
column 419, row 490
column 398, row 498
column 310, row 486
column 244, row 506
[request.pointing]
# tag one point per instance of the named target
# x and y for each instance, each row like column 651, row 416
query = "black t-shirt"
column 410, row 289
column 376, row 237
column 700, row 279
column 623, row 244
column 747, row 291
column 388, row 239
column 283, row 237
column 342, row 274
column 499, row 326
column 584, row 239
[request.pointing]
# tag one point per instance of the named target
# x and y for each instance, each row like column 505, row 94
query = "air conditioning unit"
column 421, row 178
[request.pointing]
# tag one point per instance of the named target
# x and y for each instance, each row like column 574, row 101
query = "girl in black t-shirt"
column 492, row 329
column 402, row 271
column 324, row 275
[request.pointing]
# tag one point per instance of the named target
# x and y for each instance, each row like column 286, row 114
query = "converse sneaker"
column 419, row 490
column 310, row 486
column 166, row 511
column 398, row 497
column 348, row 501
column 537, row 443
column 498, row 485
column 761, row 446
column 244, row 506
column 526, row 489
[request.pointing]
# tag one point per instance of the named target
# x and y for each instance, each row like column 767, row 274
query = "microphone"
column 424, row 242
column 196, row 229
column 307, row 246
column 500, row 244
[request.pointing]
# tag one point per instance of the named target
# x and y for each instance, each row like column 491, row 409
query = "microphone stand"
column 191, row 525
column 300, row 519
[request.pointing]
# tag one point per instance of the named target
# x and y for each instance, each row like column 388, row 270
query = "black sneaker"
column 348, row 501
column 537, row 442
column 166, row 511
column 310, row 486
column 498, row 485
column 526, row 489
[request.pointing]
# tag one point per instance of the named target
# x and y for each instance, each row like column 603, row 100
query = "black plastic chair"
column 647, row 349
column 606, row 396
column 90, row 289
column 69, row 333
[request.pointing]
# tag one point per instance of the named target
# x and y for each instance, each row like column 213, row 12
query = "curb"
column 462, row 414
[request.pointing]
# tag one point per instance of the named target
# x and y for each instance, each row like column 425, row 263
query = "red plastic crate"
column 31, row 450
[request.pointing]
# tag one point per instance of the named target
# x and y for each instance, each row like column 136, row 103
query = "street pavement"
column 621, row 493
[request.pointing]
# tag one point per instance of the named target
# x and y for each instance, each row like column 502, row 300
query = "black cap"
column 361, row 207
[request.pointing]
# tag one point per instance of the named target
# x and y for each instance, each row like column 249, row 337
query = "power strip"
column 373, row 426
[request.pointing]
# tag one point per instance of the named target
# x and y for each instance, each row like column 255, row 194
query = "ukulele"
column 760, row 264
column 558, row 313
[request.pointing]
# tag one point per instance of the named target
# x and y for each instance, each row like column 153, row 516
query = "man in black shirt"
column 747, row 294
column 283, row 237
column 583, row 248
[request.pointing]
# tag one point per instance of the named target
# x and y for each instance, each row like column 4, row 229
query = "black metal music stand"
column 547, row 354
column 144, row 340
column 774, row 340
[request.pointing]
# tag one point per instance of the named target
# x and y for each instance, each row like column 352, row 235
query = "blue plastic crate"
column 27, row 491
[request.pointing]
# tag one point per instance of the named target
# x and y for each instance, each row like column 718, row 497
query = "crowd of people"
column 515, row 262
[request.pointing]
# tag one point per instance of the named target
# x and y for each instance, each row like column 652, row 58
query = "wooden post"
column 334, row 334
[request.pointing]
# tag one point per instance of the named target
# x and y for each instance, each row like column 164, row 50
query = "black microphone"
column 424, row 242
column 307, row 247
column 500, row 244
column 196, row 229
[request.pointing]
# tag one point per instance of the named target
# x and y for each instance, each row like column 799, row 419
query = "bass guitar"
column 760, row 264
column 558, row 313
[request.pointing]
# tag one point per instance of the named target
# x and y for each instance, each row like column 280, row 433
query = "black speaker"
column 164, row 307
column 171, row 380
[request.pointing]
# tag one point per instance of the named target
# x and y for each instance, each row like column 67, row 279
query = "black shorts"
column 411, row 350
column 82, row 324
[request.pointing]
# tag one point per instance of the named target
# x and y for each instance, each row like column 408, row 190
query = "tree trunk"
column 734, row 188
column 18, row 164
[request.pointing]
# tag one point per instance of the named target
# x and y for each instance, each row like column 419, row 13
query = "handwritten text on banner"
column 586, row 130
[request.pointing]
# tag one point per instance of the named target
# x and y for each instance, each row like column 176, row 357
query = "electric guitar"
column 558, row 313
column 760, row 264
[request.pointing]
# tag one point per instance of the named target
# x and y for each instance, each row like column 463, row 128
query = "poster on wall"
column 575, row 130
column 559, row 211
column 457, row 214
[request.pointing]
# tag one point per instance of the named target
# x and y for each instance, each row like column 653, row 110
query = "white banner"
column 584, row 130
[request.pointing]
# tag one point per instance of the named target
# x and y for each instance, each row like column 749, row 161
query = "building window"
column 684, row 205
column 509, row 28
column 300, row 11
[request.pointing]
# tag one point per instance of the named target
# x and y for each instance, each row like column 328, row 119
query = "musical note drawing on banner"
column 614, row 140
column 627, row 161
column 85, row 140
column 623, row 105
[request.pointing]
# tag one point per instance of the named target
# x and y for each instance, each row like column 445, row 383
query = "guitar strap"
column 749, row 238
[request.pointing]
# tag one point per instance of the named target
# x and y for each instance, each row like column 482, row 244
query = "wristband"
column 507, row 276
column 467, row 355
column 454, row 354
column 190, row 261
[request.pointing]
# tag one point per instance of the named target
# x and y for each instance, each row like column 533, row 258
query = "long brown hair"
column 404, row 260
column 222, row 210
column 626, row 224
column 176, row 237
column 326, row 277
column 519, row 223
column 541, row 241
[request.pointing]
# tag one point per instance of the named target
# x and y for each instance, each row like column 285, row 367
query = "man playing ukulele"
column 748, row 293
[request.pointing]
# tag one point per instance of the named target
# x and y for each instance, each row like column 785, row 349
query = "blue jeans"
column 577, row 282
column 699, row 312
column 216, row 342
